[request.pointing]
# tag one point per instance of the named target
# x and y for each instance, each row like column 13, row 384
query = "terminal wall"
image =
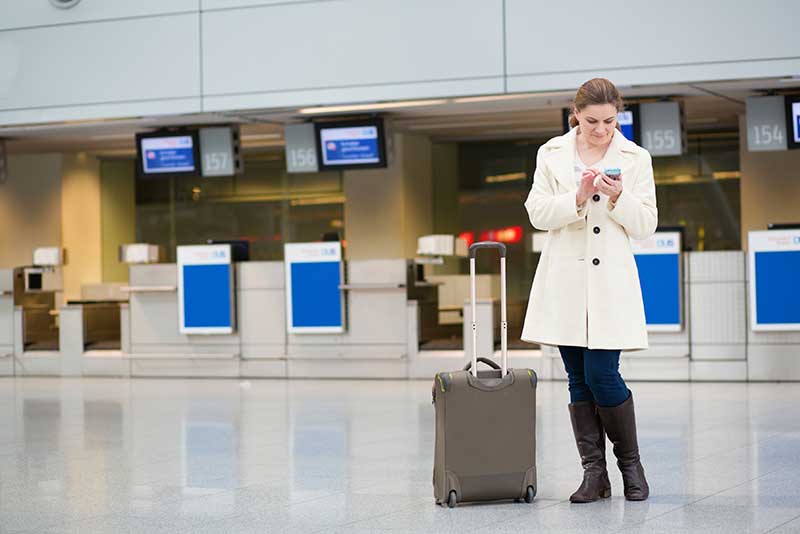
column 118, row 59
column 80, row 223
column 114, row 63
column 118, row 215
column 565, row 43
column 326, row 52
column 770, row 187
column 387, row 209
column 30, row 207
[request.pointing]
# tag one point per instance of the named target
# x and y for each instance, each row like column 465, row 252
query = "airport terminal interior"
column 235, row 255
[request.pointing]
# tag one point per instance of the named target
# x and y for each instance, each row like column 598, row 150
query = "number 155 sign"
column 662, row 128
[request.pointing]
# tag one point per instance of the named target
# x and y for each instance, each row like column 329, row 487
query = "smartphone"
column 613, row 173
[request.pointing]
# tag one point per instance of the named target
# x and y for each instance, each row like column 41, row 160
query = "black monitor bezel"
column 168, row 133
column 791, row 144
column 633, row 108
column 351, row 123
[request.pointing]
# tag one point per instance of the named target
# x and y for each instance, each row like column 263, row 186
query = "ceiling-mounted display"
column 351, row 144
column 628, row 120
column 165, row 153
column 793, row 121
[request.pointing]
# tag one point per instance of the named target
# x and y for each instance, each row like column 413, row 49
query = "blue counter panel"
column 659, row 277
column 207, row 295
column 316, row 297
column 777, row 287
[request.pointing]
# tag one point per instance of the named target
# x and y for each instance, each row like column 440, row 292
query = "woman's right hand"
column 587, row 187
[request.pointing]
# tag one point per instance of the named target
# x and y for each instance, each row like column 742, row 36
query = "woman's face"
column 597, row 123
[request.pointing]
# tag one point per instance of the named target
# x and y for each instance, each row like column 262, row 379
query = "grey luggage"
column 485, row 421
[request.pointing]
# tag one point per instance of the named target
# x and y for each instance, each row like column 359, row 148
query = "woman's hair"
column 595, row 91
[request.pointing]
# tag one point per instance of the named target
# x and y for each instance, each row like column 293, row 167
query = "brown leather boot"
column 620, row 425
column 591, row 442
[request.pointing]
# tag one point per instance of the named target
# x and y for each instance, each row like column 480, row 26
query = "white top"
column 580, row 166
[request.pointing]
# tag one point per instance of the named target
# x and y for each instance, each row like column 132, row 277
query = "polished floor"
column 230, row 456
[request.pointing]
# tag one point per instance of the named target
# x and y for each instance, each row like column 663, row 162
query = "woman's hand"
column 587, row 188
column 610, row 187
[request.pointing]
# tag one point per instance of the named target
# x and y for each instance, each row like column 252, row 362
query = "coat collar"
column 561, row 156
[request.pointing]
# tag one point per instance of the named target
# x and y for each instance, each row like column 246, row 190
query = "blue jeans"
column 594, row 376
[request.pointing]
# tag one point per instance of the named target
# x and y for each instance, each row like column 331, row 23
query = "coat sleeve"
column 547, row 209
column 635, row 209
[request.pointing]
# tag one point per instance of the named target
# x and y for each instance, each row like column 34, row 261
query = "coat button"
column 596, row 198
column 595, row 261
column 596, row 229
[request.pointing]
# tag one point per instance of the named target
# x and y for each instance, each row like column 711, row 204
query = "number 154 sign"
column 766, row 123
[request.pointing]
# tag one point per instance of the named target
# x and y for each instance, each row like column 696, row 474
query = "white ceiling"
column 708, row 106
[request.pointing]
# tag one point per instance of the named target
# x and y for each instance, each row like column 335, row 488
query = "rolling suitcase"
column 485, row 421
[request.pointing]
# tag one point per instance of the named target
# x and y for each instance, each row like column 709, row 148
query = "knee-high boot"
column 591, row 442
column 620, row 425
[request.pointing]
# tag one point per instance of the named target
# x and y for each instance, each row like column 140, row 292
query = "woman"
column 586, row 297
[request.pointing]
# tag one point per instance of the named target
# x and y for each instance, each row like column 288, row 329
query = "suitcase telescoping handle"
column 473, row 249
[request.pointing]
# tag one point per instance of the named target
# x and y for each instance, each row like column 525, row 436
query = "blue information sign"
column 207, row 303
column 205, row 289
column 777, row 290
column 314, row 297
column 316, row 301
column 658, row 260
column 774, row 260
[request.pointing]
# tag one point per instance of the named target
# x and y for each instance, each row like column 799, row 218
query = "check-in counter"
column 706, row 339
column 380, row 321
column 91, row 339
column 663, row 277
column 716, row 333
column 37, row 299
column 260, row 296
column 377, row 338
column 6, row 322
column 101, row 324
column 717, row 315
column 157, row 347
column 101, row 304
column 773, row 340
column 453, row 293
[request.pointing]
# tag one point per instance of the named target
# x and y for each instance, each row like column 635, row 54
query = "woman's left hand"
column 610, row 187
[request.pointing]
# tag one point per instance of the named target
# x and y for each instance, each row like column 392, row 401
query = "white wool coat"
column 586, row 290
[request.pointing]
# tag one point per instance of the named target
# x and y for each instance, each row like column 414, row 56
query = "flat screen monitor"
column 783, row 226
column 167, row 153
column 793, row 121
column 350, row 144
column 628, row 121
column 34, row 281
column 240, row 248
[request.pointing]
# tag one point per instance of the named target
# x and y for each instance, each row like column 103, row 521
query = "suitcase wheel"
column 451, row 499
column 530, row 494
